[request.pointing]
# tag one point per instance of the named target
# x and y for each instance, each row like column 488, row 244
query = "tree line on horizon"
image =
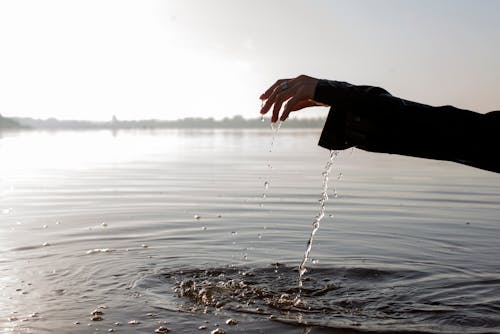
column 9, row 123
column 185, row 123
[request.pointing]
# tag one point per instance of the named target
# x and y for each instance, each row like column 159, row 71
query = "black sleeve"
column 371, row 119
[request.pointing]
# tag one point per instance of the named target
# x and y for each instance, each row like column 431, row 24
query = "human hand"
column 299, row 92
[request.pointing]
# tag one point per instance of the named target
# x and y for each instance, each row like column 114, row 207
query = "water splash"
column 275, row 128
column 317, row 218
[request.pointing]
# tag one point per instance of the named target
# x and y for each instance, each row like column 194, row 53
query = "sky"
column 173, row 59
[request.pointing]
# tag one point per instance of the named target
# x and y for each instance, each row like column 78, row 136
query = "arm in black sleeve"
column 371, row 119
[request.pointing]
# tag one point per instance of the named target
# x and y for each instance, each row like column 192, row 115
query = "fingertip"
column 284, row 116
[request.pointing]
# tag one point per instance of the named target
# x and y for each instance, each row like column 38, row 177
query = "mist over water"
column 166, row 228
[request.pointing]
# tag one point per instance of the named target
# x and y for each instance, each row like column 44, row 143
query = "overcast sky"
column 178, row 58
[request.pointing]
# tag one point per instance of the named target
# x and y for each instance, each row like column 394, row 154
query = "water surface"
column 169, row 228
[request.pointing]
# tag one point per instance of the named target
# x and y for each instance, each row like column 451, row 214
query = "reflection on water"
column 164, row 229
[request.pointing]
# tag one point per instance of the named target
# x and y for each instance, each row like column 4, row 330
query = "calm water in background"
column 171, row 226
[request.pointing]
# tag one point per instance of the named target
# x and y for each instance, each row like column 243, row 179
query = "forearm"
column 371, row 119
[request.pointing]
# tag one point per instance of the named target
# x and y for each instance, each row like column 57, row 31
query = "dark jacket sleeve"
column 371, row 119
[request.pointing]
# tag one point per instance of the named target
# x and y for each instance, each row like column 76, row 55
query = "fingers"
column 298, row 92
column 278, row 101
column 295, row 105
column 271, row 89
column 276, row 95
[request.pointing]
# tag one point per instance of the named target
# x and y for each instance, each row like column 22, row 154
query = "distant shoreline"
column 9, row 124
column 236, row 122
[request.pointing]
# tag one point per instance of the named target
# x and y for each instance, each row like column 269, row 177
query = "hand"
column 299, row 92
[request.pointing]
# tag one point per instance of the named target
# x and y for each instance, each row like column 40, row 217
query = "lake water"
column 170, row 228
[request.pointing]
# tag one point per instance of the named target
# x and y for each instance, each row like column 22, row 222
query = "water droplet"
column 339, row 177
column 144, row 246
column 197, row 217
column 315, row 261
column 44, row 226
column 204, row 228
column 217, row 331
column 45, row 244
column 262, row 118
column 266, row 185
column 134, row 322
column 99, row 250
column 259, row 236
column 104, row 225
column 231, row 322
column 233, row 233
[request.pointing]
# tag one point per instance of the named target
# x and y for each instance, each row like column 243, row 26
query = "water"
column 317, row 219
column 409, row 245
column 275, row 130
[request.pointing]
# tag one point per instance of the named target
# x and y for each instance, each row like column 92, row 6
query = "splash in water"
column 318, row 217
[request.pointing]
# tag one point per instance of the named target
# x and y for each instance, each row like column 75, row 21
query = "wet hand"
column 299, row 92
